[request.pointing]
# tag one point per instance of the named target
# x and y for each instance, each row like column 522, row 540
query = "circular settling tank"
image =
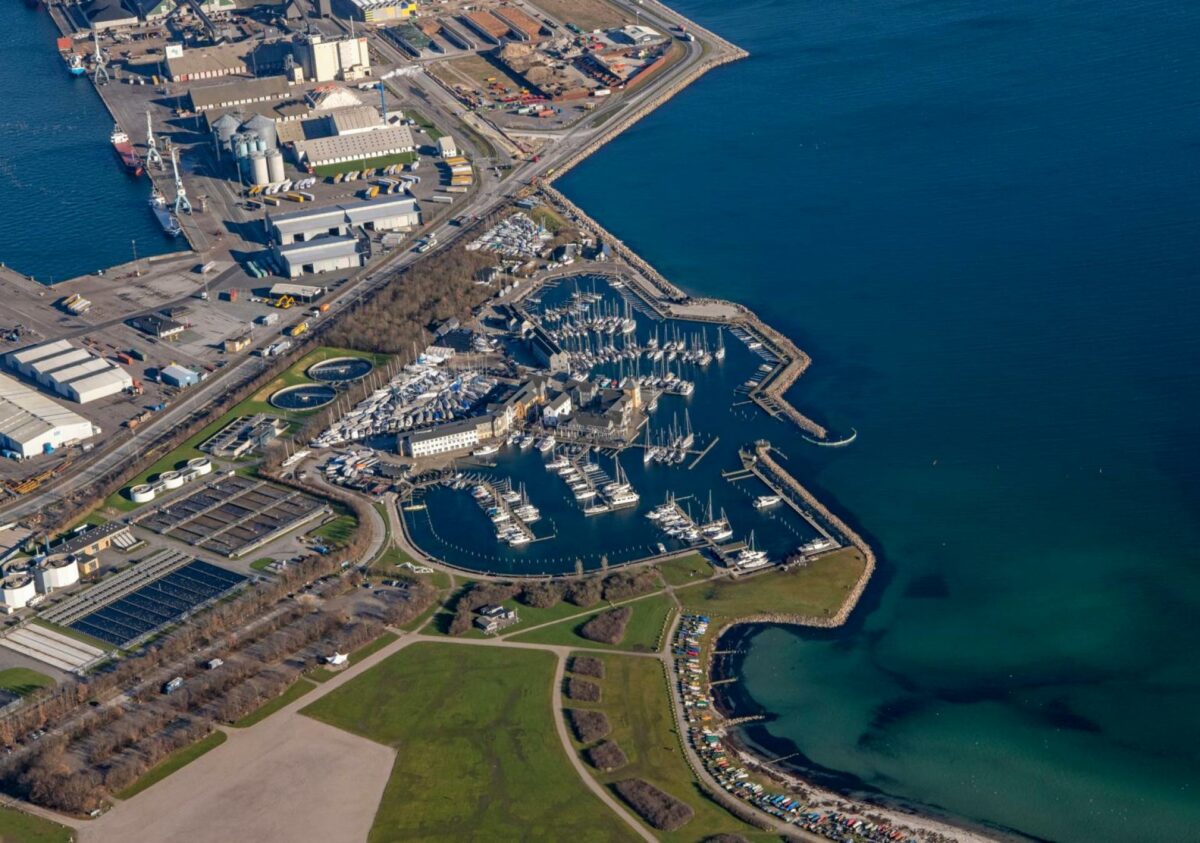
column 340, row 370
column 303, row 397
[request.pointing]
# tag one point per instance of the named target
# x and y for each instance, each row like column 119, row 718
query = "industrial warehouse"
column 74, row 373
column 32, row 424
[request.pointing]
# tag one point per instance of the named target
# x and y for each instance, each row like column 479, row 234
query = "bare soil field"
column 288, row 778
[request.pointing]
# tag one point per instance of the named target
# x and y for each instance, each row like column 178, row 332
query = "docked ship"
column 169, row 222
column 124, row 149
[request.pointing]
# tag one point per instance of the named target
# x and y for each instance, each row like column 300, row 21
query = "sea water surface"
column 66, row 206
column 981, row 221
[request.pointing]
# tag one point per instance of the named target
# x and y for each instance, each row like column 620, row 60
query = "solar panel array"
column 158, row 603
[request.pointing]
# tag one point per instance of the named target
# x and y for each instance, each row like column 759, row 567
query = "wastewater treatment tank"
column 340, row 370
column 307, row 396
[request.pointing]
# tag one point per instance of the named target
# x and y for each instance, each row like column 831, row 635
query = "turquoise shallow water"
column 981, row 223
column 66, row 207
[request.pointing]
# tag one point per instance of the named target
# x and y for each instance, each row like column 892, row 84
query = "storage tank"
column 258, row 169
column 200, row 465
column 224, row 130
column 142, row 493
column 243, row 146
column 56, row 573
column 17, row 590
column 170, row 479
column 264, row 128
column 275, row 165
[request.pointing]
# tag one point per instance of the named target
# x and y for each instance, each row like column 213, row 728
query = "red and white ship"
column 124, row 150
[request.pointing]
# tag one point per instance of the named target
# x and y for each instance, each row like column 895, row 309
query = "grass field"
column 425, row 123
column 294, row 692
column 177, row 759
column 261, row 564
column 642, row 635
column 21, row 681
column 639, row 709
column 323, row 674
column 361, row 164
column 19, row 827
column 477, row 753
column 686, row 569
column 338, row 531
column 816, row 591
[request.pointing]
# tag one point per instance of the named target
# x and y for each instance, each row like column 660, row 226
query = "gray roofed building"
column 30, row 422
column 360, row 146
column 350, row 121
column 238, row 93
column 298, row 226
column 385, row 213
column 321, row 254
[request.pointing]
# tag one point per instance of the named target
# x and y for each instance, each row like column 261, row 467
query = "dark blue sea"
column 66, row 206
column 981, row 221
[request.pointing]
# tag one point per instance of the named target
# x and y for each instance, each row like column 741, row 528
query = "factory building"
column 388, row 213
column 96, row 386
column 377, row 11
column 178, row 376
column 31, row 424
column 234, row 94
column 446, row 147
column 392, row 140
column 43, row 369
column 306, row 293
column 24, row 359
column 102, row 15
column 343, row 59
column 159, row 327
column 321, row 254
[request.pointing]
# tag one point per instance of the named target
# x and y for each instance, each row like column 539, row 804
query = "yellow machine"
column 284, row 302
column 297, row 329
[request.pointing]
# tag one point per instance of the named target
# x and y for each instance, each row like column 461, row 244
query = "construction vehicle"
column 283, row 302
column 297, row 329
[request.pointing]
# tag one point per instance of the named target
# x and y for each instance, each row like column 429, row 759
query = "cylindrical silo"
column 258, row 169
column 275, row 165
column 243, row 147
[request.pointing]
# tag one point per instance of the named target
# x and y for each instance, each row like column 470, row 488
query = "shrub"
column 582, row 690
column 587, row 725
column 661, row 810
column 606, row 757
column 608, row 627
column 587, row 666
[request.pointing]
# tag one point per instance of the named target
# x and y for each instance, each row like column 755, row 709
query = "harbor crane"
column 100, row 73
column 182, row 205
column 153, row 156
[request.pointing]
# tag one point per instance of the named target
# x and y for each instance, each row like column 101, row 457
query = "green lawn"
column 261, row 564
column 816, row 591
column 477, row 751
column 687, row 569
column 21, row 681
column 386, row 562
column 294, row 692
column 175, row 761
column 337, row 531
column 19, row 827
column 323, row 674
column 361, row 164
column 642, row 635
column 639, row 709
column 548, row 218
column 425, row 123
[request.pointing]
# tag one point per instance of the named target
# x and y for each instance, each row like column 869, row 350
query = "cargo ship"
column 124, row 150
column 169, row 222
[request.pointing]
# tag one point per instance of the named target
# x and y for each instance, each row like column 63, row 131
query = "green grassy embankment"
column 643, row 634
column 176, row 760
column 294, row 692
column 19, row 827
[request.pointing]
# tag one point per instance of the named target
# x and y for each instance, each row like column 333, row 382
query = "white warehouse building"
column 386, row 213
column 321, row 254
column 73, row 373
column 31, row 424
column 360, row 146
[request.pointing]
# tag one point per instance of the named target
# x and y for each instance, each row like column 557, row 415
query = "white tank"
column 243, row 149
column 58, row 573
column 258, row 169
column 17, row 590
column 275, row 165
column 200, row 465
column 142, row 493
column 170, row 479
